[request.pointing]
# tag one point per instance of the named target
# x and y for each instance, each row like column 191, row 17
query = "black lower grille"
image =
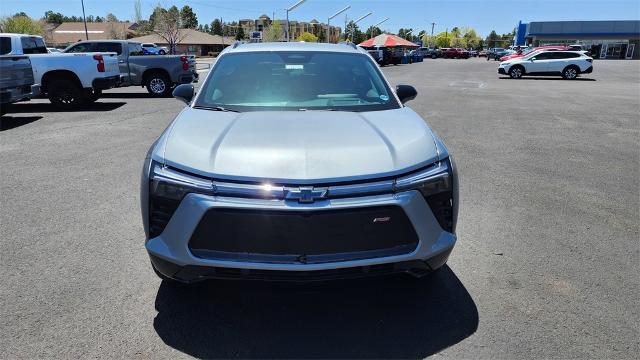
column 303, row 236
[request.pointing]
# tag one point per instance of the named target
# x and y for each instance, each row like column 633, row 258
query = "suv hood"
column 297, row 146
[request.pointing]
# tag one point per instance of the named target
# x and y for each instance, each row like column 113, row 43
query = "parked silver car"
column 297, row 161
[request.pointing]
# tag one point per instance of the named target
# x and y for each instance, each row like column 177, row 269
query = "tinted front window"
column 286, row 80
column 109, row 47
column 33, row 45
column 5, row 45
column 135, row 49
column 79, row 48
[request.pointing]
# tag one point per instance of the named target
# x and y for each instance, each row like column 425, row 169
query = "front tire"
column 92, row 96
column 65, row 94
column 162, row 52
column 158, row 85
column 570, row 72
column 516, row 72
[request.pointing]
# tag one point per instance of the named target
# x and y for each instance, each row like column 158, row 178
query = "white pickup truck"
column 68, row 80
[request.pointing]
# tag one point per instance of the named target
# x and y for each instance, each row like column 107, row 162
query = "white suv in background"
column 568, row 64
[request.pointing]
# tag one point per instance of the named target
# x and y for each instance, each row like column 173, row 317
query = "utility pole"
column 84, row 18
column 432, row 26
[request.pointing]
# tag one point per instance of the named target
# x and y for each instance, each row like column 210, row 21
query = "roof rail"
column 236, row 44
column 348, row 43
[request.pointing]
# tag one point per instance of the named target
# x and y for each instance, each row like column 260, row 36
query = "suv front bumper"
column 171, row 255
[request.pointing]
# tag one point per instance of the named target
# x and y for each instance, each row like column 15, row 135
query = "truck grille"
column 303, row 236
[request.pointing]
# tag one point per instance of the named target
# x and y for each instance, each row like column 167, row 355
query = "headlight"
column 439, row 186
column 505, row 64
column 167, row 188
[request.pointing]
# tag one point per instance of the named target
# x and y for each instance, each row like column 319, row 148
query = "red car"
column 455, row 53
column 552, row 47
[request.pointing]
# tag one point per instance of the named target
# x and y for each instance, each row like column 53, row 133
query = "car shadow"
column 8, row 122
column 48, row 107
column 133, row 95
column 390, row 317
column 546, row 78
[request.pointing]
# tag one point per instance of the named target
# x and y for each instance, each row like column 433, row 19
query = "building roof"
column 188, row 37
column 70, row 32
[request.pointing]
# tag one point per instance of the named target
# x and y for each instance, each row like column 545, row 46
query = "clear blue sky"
column 483, row 15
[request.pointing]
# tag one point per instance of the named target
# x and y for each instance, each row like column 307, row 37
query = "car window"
column 255, row 81
column 148, row 45
column 109, row 47
column 5, row 45
column 135, row 49
column 566, row 55
column 33, row 45
column 544, row 56
column 79, row 48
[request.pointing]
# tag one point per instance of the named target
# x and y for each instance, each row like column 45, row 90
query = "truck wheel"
column 92, row 96
column 158, row 85
column 65, row 94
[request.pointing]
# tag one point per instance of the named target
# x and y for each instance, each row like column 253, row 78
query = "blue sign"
column 420, row 43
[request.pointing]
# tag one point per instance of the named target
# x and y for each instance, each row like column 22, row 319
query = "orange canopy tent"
column 389, row 40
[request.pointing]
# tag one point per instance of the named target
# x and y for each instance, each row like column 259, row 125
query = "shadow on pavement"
column 132, row 95
column 8, row 122
column 391, row 317
column 48, row 107
column 545, row 78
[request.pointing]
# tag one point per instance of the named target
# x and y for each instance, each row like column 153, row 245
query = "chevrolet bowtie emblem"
column 306, row 195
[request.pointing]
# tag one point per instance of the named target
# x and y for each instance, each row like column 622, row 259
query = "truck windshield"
column 308, row 80
column 33, row 45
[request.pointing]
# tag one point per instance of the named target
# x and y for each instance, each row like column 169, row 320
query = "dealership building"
column 615, row 39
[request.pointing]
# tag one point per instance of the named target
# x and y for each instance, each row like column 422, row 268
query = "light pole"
column 86, row 33
column 373, row 26
column 355, row 22
column 289, row 9
column 329, row 21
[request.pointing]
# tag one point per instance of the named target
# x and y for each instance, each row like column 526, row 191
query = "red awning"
column 389, row 40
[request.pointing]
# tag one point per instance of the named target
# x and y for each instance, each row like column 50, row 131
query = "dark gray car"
column 158, row 73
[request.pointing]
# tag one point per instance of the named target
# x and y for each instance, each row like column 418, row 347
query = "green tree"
column 307, row 37
column 157, row 13
column 99, row 19
column 206, row 28
column 492, row 39
column 443, row 40
column 240, row 33
column 373, row 31
column 111, row 18
column 273, row 32
column 353, row 33
column 188, row 17
column 216, row 27
column 21, row 25
column 53, row 17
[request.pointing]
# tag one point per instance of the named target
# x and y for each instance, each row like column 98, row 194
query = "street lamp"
column 373, row 26
column 407, row 33
column 355, row 22
column 329, row 20
column 289, row 9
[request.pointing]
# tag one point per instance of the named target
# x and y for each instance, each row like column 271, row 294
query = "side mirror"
column 406, row 93
column 183, row 92
column 532, row 59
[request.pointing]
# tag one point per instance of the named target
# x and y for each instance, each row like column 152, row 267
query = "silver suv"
column 297, row 161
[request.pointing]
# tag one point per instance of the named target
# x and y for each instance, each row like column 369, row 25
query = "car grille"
column 303, row 236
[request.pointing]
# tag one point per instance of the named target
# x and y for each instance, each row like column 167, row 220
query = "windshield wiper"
column 303, row 109
column 215, row 108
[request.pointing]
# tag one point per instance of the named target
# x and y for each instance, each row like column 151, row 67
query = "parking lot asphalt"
column 546, row 264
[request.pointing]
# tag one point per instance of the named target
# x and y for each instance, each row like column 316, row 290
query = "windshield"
column 258, row 81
